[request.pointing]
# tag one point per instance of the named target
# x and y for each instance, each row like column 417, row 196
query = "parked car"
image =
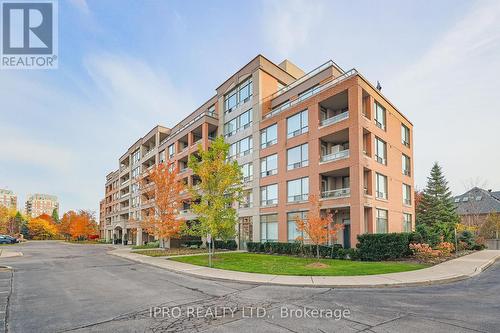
column 6, row 239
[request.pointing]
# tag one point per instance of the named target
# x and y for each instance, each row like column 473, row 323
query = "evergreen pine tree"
column 436, row 207
column 55, row 216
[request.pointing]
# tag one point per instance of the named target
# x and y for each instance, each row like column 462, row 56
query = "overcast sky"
column 125, row 66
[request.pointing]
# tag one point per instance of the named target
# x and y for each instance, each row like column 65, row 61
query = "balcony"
column 335, row 156
column 335, row 119
column 298, row 198
column 269, row 202
column 337, row 193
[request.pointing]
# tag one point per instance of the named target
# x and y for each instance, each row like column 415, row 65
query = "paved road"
column 58, row 287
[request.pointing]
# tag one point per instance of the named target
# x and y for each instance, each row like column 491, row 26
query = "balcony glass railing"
column 298, row 197
column 335, row 156
column 316, row 90
column 183, row 126
column 335, row 119
column 337, row 193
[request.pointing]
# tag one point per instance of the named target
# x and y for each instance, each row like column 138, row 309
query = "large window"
column 135, row 172
column 407, row 222
column 241, row 148
column 297, row 124
column 297, row 157
column 405, row 135
column 381, row 151
column 381, row 183
column 247, row 199
column 162, row 156
column 247, row 171
column 171, row 151
column 269, row 195
column 406, row 165
column 269, row 228
column 269, row 165
column 237, row 124
column 382, row 221
column 238, row 95
column 380, row 116
column 292, row 218
column 269, row 136
column 406, row 194
column 298, row 189
column 136, row 156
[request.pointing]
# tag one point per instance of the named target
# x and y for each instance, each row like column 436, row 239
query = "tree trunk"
column 317, row 251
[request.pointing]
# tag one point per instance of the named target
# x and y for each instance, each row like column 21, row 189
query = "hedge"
column 374, row 247
column 306, row 250
column 226, row 245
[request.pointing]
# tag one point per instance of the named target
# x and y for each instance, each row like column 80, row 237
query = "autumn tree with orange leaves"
column 318, row 229
column 162, row 219
column 65, row 222
column 83, row 225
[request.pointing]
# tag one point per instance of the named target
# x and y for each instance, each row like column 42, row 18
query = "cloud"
column 81, row 5
column 288, row 25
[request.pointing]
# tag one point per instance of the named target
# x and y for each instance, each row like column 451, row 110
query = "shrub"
column 424, row 251
column 298, row 249
column 226, row 245
column 192, row 243
column 445, row 248
column 425, row 234
column 467, row 237
column 150, row 245
column 374, row 247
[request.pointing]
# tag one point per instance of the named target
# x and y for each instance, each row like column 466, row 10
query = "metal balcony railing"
column 337, row 193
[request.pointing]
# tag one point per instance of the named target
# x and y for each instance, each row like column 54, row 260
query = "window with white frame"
column 247, row 171
column 269, row 195
column 380, row 116
column 293, row 233
column 269, row 136
column 245, row 91
column 381, row 186
column 171, row 151
column 407, row 222
column 238, row 95
column 298, row 189
column 382, row 221
column 269, row 165
column 136, row 171
column 405, row 135
column 405, row 160
column 211, row 110
column 297, row 157
column 407, row 194
column 136, row 156
column 239, row 123
column 381, row 151
column 247, row 199
column 162, row 156
column 240, row 148
column 269, row 228
column 297, row 124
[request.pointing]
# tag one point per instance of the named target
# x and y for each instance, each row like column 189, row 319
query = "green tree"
column 436, row 208
column 220, row 186
column 55, row 216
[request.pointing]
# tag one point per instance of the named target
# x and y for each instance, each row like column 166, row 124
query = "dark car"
column 6, row 239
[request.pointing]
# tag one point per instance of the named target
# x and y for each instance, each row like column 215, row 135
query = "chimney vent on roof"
column 489, row 190
column 379, row 87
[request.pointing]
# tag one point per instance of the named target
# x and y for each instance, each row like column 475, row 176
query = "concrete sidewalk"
column 9, row 254
column 453, row 270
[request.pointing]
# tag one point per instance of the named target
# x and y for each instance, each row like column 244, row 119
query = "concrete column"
column 139, row 236
column 190, row 139
column 204, row 135
column 124, row 232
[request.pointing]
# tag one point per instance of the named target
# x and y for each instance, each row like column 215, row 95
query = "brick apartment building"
column 38, row 204
column 8, row 199
column 328, row 132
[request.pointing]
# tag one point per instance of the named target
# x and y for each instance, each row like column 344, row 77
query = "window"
column 171, row 151
column 269, row 165
column 297, row 157
column 406, row 194
column 298, row 189
column 247, row 171
column 478, row 198
column 382, row 222
column 238, row 95
column 239, row 123
column 241, row 148
column 297, row 124
column 269, row 195
column 269, row 228
column 407, row 222
column 162, row 156
column 247, row 199
column 379, row 116
column 135, row 172
column 135, row 202
column 406, row 165
column 405, row 135
column 211, row 111
column 135, row 188
column 269, row 136
column 292, row 218
column 381, row 181
column 465, row 199
column 307, row 93
column 380, row 151
column 457, row 199
column 136, row 156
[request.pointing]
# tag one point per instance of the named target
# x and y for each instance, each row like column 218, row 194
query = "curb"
column 478, row 270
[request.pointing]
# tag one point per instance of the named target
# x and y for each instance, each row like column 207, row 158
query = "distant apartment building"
column 38, row 204
column 328, row 132
column 8, row 199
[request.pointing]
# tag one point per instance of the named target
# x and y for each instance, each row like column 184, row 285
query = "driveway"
column 59, row 287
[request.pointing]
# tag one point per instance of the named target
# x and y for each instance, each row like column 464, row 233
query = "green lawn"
column 286, row 265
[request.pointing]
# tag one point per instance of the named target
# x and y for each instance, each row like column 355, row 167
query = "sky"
column 125, row 66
